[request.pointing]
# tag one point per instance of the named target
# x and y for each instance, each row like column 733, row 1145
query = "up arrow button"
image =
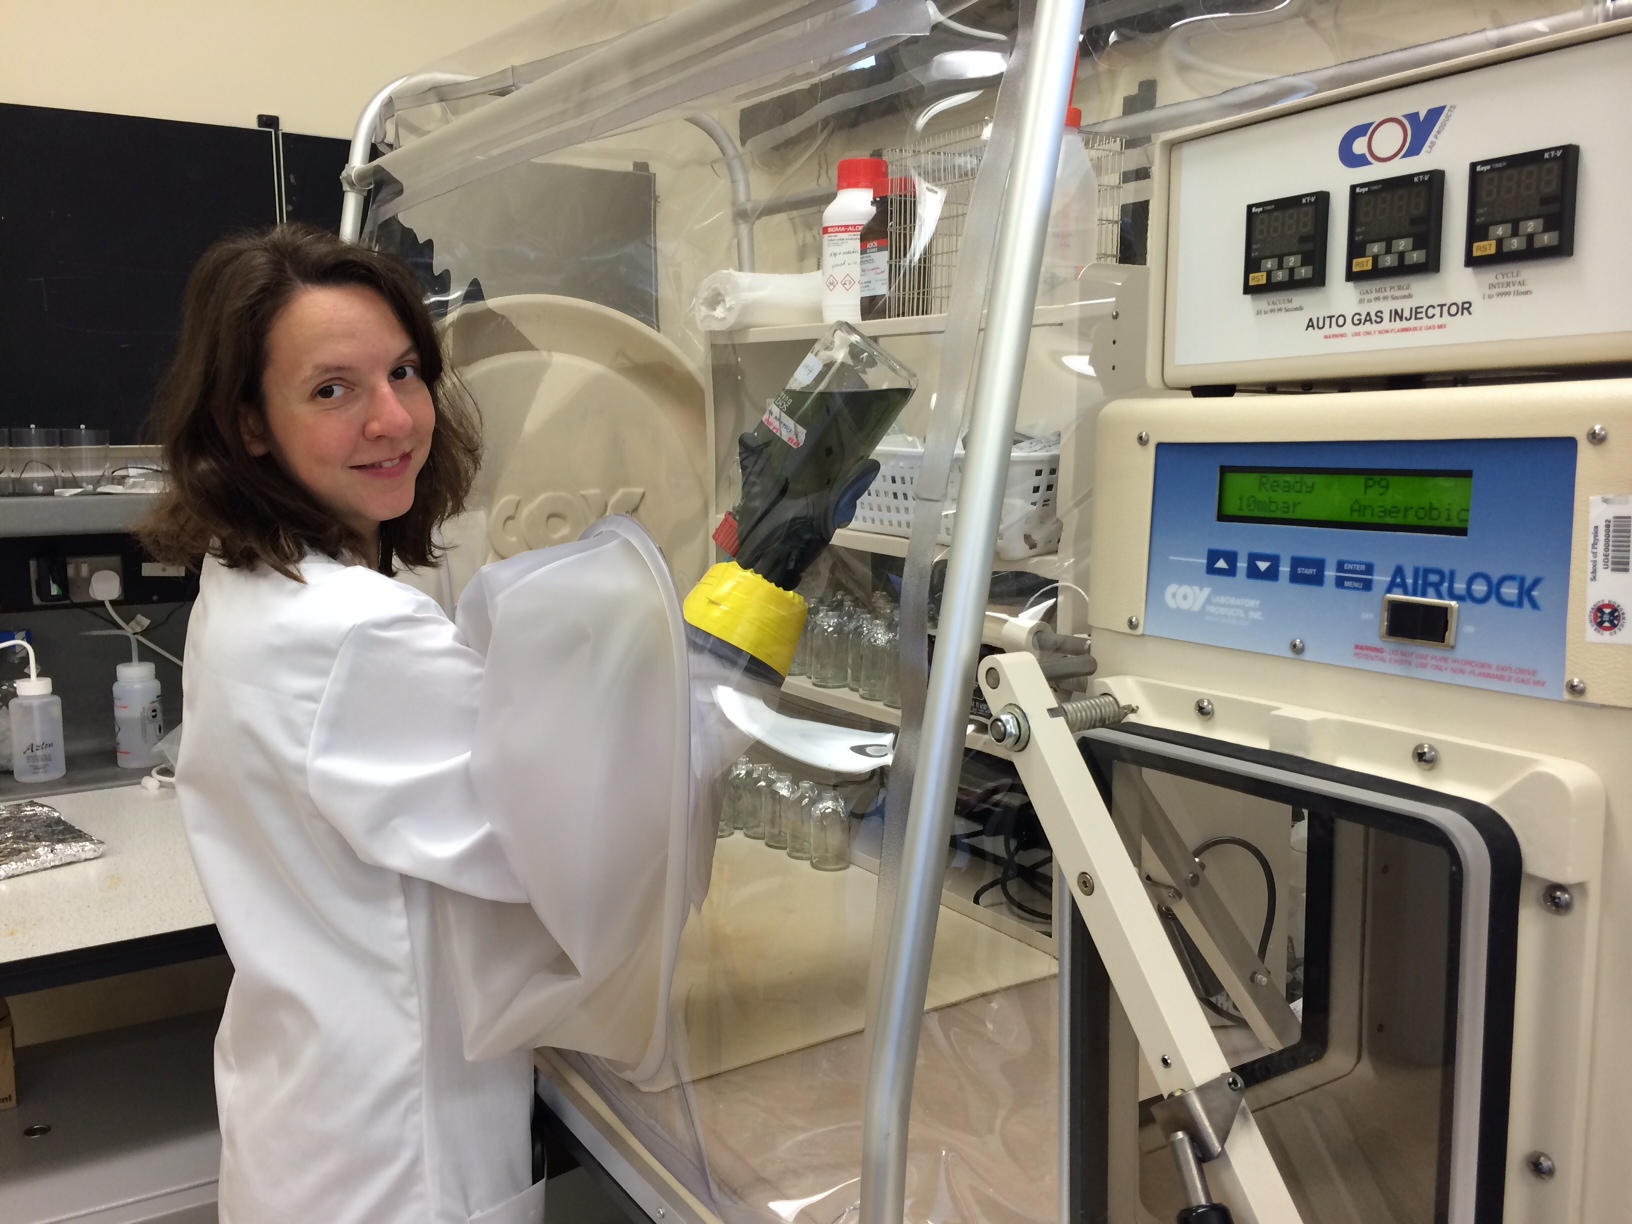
column 1221, row 562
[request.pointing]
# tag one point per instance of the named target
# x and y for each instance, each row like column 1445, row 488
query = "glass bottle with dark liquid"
column 809, row 457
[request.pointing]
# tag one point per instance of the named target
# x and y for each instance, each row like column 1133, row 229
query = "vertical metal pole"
column 1018, row 254
column 362, row 144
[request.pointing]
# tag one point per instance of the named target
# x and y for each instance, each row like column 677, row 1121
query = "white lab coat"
column 389, row 836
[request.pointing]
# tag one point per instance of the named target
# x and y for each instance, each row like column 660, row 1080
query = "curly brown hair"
column 246, row 510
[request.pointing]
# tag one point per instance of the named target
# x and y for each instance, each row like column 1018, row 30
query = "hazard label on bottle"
column 782, row 425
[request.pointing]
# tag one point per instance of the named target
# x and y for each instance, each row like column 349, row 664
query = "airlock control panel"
column 1475, row 221
column 1447, row 560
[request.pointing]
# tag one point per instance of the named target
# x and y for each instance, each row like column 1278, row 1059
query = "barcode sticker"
column 1609, row 570
column 1618, row 543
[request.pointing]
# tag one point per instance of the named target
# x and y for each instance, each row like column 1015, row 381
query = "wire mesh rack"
column 1105, row 154
column 930, row 184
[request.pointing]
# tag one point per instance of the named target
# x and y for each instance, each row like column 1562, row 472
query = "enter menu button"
column 1352, row 575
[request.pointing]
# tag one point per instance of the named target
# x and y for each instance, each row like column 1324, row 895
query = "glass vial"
column 829, row 833
column 736, row 787
column 799, row 822
column 758, row 803
column 783, row 790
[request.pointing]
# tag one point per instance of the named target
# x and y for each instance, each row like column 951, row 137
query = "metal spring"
column 1091, row 713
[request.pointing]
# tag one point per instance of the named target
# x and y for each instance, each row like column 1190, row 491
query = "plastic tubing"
column 1276, row 90
column 136, row 637
column 740, row 192
column 33, row 660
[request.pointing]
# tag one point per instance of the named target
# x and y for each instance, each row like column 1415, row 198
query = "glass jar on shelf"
column 801, row 653
column 783, row 790
column 861, row 626
column 737, row 783
column 878, row 661
column 799, row 821
column 829, row 832
column 757, row 802
column 830, row 649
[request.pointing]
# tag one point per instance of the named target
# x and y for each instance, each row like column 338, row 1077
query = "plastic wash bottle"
column 842, row 223
column 37, row 753
column 138, row 723
column 1073, row 219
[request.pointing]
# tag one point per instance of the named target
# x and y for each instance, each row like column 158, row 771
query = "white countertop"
column 144, row 883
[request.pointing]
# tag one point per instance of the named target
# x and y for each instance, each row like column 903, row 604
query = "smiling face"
column 347, row 414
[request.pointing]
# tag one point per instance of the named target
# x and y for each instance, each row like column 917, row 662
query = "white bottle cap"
column 136, row 671
column 34, row 686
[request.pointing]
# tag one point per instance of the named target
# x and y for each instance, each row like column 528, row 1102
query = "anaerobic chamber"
column 1281, row 752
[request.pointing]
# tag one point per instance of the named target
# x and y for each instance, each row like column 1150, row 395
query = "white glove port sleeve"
column 582, row 761
column 552, row 764
column 389, row 759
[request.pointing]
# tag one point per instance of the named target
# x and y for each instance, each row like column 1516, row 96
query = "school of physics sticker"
column 1609, row 569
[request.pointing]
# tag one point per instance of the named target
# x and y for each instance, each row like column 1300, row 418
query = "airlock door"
column 1354, row 942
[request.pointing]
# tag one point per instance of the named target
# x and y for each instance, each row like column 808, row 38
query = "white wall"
column 312, row 63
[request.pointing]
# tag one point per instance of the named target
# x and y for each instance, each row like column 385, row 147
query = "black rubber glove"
column 788, row 513
column 808, row 460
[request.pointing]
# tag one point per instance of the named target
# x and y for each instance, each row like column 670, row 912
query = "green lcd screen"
column 1431, row 503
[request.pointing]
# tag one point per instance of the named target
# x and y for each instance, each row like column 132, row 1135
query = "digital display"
column 1522, row 206
column 1282, row 231
column 1394, row 226
column 1385, row 214
column 1426, row 502
column 1286, row 243
column 1527, row 190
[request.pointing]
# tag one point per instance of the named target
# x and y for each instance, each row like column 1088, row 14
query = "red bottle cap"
column 725, row 535
column 900, row 185
column 862, row 172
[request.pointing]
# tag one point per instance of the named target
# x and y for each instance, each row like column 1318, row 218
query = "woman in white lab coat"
column 421, row 839
column 312, row 440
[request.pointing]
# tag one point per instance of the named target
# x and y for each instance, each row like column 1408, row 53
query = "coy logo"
column 1390, row 139
column 1186, row 598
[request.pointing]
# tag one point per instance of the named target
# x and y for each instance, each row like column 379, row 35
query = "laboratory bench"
column 118, row 1126
column 137, row 907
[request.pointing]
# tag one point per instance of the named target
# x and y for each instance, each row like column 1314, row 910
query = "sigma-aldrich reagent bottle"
column 843, row 221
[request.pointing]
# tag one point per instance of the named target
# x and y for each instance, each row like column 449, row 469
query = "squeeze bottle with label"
column 138, row 723
column 8, row 690
column 842, row 223
column 36, row 726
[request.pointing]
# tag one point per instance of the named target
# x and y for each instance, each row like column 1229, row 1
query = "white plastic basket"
column 1028, row 524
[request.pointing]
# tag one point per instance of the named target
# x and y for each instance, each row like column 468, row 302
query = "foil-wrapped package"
column 34, row 836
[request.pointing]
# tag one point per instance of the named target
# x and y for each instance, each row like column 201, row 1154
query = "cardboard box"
column 8, row 1060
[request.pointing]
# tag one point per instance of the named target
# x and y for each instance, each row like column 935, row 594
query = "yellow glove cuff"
column 751, row 613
